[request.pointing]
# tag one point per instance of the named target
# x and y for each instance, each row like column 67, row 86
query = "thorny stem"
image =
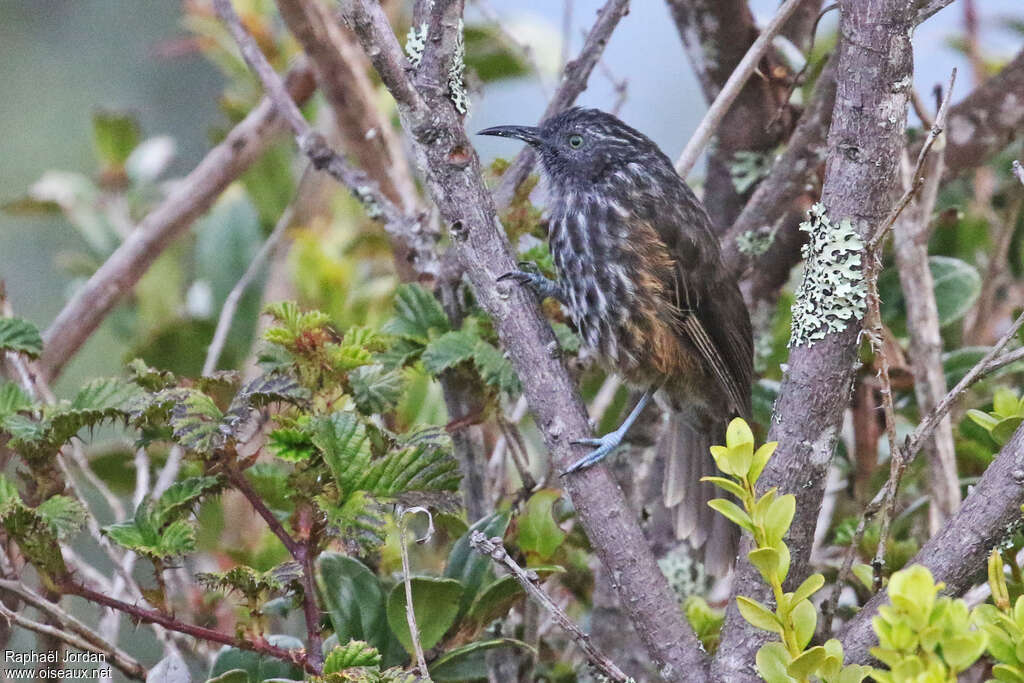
column 298, row 657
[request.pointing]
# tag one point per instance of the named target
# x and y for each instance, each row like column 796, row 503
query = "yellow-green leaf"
column 732, row 512
column 757, row 615
column 807, row 663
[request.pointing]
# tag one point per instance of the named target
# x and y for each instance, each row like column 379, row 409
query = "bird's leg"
column 610, row 441
column 538, row 284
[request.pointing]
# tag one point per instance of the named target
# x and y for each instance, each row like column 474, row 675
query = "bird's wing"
column 711, row 311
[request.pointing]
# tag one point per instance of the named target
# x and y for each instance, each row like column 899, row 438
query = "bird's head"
column 583, row 146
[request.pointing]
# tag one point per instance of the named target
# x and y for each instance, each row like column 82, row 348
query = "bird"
column 640, row 271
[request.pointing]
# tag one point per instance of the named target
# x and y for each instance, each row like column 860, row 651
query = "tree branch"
column 87, row 639
column 297, row 657
column 190, row 199
column 492, row 548
column 454, row 181
column 865, row 143
column 960, row 550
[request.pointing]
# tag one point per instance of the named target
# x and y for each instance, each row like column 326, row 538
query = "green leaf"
column 418, row 315
column 1005, row 429
column 64, row 515
column 293, row 445
column 195, row 422
column 259, row 667
column 435, row 605
column 811, row 585
column 12, row 399
column 1004, row 403
column 497, row 598
column 469, row 567
column 20, row 336
column 423, row 463
column 448, row 350
column 963, row 650
column 732, row 512
column 495, row 368
column 807, row 663
column 345, row 445
column 354, row 653
column 468, row 662
column 757, row 615
column 375, row 388
column 760, row 459
column 766, row 560
column 354, row 601
column 489, row 55
column 956, row 288
column 727, row 485
column 115, row 135
column 538, row 532
column 864, row 573
column 804, row 618
column 1005, row 673
column 983, row 419
column 779, row 517
column 772, row 661
column 182, row 497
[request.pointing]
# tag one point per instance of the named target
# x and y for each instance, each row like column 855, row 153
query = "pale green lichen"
column 833, row 292
column 686, row 576
column 748, row 167
column 457, row 73
column 415, row 43
column 755, row 242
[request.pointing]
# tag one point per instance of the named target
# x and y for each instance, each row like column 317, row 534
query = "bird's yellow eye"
column 575, row 141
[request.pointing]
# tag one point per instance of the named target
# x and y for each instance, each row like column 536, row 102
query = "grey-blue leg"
column 610, row 441
column 540, row 285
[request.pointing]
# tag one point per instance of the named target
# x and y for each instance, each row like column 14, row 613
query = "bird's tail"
column 687, row 458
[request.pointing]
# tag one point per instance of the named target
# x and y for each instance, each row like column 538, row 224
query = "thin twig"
column 410, row 613
column 227, row 311
column 709, row 124
column 528, row 580
column 916, row 181
column 309, row 141
column 81, row 636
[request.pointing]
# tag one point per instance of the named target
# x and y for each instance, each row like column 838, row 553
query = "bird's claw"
column 537, row 283
column 605, row 445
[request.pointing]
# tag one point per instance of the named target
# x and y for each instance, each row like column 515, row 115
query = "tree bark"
column 874, row 74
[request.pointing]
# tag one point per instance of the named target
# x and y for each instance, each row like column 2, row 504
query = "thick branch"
column 865, row 143
column 987, row 120
column 959, row 551
column 192, row 197
column 454, row 182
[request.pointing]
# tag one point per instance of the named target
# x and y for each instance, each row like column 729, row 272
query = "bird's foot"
column 537, row 283
column 605, row 445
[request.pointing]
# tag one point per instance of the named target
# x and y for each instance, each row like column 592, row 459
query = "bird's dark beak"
column 528, row 134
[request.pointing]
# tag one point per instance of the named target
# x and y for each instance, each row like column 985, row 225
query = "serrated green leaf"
column 64, row 515
column 376, row 389
column 196, row 423
column 182, row 497
column 418, row 315
column 345, row 445
column 20, row 336
column 12, row 399
column 354, row 653
column 495, row 369
column 448, row 350
column 293, row 445
column 435, row 606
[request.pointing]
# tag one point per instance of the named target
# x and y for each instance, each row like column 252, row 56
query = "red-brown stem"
column 300, row 552
column 297, row 657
